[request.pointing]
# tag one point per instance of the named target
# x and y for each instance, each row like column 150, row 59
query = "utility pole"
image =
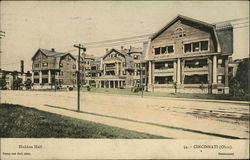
column 80, row 47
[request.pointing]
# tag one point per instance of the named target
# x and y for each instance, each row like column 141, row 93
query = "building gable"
column 38, row 55
column 184, row 20
column 180, row 33
column 113, row 53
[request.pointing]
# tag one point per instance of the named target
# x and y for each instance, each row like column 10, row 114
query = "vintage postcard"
column 124, row 80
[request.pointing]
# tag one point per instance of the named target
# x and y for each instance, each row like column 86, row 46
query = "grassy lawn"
column 22, row 122
column 158, row 94
column 164, row 94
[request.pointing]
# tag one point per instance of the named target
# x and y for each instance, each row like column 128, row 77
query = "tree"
column 235, row 89
column 242, row 75
column 28, row 84
column 2, row 83
column 17, row 83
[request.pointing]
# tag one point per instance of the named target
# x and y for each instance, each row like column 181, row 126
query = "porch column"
column 104, row 69
column 49, row 76
column 32, row 77
column 149, row 72
column 40, row 76
column 152, row 73
column 182, row 71
column 215, row 69
column 117, row 69
column 178, row 71
column 104, row 84
column 226, row 72
column 175, row 72
column 96, row 84
column 109, row 84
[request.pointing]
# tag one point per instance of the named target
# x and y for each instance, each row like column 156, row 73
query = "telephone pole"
column 80, row 47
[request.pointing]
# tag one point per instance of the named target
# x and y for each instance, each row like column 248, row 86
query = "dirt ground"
column 214, row 117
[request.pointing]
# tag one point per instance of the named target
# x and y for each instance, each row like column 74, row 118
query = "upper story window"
column 221, row 63
column 36, row 65
column 164, row 65
column 136, row 57
column 74, row 66
column 61, row 64
column 199, row 63
column 179, row 32
column 45, row 64
column 164, row 50
column 199, row 46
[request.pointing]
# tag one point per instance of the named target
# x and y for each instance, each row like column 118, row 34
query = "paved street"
column 169, row 117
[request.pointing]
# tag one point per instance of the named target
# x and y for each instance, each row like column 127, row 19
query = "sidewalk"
column 139, row 114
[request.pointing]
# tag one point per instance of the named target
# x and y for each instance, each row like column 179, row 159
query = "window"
column 220, row 79
column 36, row 65
column 198, row 63
column 187, row 47
column 74, row 66
column 220, row 61
column 164, row 65
column 196, row 79
column 136, row 57
column 61, row 81
column 157, row 51
column 204, row 45
column 61, row 65
column 179, row 32
column 164, row 50
column 45, row 64
column 163, row 79
column 61, row 73
column 170, row 49
column 196, row 46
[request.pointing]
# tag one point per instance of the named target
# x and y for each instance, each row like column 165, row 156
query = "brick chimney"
column 53, row 49
column 22, row 66
column 122, row 47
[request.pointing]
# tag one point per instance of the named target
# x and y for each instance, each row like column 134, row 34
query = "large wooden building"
column 191, row 53
column 120, row 68
column 50, row 66
column 186, row 55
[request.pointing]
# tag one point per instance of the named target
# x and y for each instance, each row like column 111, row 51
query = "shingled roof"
column 50, row 53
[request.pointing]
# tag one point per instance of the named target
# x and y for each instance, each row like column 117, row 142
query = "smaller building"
column 50, row 67
column 11, row 76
